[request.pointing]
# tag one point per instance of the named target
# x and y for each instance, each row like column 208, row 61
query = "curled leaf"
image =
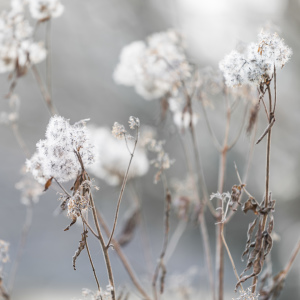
column 81, row 246
column 250, row 204
column 74, row 219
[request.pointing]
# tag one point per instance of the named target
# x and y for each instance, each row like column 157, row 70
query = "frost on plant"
column 247, row 295
column 256, row 65
column 56, row 155
column 17, row 49
column 155, row 67
column 113, row 157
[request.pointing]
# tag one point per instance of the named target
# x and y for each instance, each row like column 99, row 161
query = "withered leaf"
column 250, row 204
column 162, row 277
column 81, row 246
column 129, row 228
column 268, row 243
column 251, row 227
column 48, row 184
column 74, row 219
column 271, row 224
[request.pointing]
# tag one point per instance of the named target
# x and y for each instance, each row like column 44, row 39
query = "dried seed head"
column 134, row 122
column 118, row 131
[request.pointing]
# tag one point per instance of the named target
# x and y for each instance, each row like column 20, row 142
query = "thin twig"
column 161, row 262
column 90, row 258
column 44, row 92
column 88, row 226
column 123, row 258
column 121, row 192
column 212, row 134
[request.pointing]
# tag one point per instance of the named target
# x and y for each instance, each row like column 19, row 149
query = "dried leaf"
column 129, row 228
column 48, row 183
column 250, row 204
column 268, row 243
column 271, row 224
column 81, row 246
column 74, row 219
column 251, row 227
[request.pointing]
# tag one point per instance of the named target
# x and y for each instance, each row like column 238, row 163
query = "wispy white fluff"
column 154, row 68
column 55, row 156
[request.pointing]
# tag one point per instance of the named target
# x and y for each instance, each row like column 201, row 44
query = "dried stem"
column 123, row 258
column 161, row 262
column 104, row 248
column 90, row 258
column 44, row 91
column 122, row 191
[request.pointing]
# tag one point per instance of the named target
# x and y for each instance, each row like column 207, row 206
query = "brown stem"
column 123, row 258
column 90, row 258
column 104, row 248
column 122, row 192
column 161, row 263
column 44, row 91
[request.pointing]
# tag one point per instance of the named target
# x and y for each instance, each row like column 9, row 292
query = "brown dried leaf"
column 251, row 227
column 268, row 243
column 74, row 219
column 250, row 204
column 47, row 184
column 129, row 228
column 81, row 246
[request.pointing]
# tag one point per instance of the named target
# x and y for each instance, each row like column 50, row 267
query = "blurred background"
column 86, row 43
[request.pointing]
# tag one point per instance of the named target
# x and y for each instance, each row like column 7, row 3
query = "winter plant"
column 159, row 69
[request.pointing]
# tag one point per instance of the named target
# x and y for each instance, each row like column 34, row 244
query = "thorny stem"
column 44, row 91
column 122, row 191
column 23, row 239
column 104, row 248
column 161, row 262
column 90, row 258
column 123, row 258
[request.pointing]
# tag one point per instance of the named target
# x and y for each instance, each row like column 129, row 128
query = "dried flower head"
column 134, row 122
column 118, row 131
column 43, row 10
column 257, row 64
column 99, row 295
column 17, row 49
column 154, row 68
column 56, row 155
column 77, row 204
column 247, row 295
